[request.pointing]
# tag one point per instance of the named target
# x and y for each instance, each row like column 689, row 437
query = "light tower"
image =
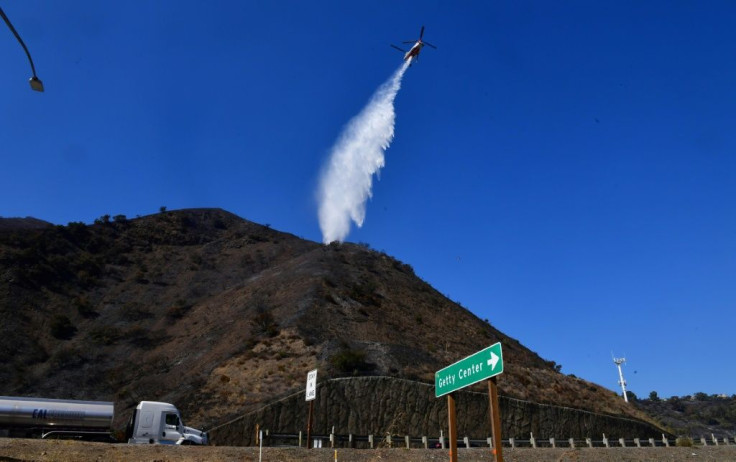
column 622, row 382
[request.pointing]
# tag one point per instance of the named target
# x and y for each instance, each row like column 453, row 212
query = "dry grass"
column 217, row 315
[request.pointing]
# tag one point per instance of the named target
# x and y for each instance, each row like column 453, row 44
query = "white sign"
column 311, row 385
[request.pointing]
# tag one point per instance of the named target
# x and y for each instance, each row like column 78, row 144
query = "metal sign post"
column 309, row 425
column 311, row 394
column 260, row 450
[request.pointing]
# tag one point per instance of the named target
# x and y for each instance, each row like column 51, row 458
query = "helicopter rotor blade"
column 394, row 46
column 421, row 33
column 427, row 43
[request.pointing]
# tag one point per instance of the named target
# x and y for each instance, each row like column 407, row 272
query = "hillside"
column 23, row 223
column 218, row 315
column 697, row 415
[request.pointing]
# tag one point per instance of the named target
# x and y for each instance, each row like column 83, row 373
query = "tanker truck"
column 151, row 423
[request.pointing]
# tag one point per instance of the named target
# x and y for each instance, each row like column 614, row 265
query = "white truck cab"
column 160, row 423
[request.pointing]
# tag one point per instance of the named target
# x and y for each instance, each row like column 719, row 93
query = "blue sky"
column 563, row 169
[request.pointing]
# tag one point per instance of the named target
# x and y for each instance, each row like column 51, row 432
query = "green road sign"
column 476, row 367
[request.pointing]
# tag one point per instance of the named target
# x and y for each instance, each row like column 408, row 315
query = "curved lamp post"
column 35, row 82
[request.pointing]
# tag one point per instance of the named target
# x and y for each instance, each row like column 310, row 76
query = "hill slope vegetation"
column 698, row 415
column 219, row 315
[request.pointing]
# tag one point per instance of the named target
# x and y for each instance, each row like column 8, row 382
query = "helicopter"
column 418, row 45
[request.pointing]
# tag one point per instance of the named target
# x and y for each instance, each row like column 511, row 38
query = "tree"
column 653, row 396
column 103, row 220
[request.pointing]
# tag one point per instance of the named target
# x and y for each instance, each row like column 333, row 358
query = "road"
column 14, row 450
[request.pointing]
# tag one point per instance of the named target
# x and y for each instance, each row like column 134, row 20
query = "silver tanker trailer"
column 152, row 422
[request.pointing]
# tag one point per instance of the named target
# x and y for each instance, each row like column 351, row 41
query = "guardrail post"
column 725, row 441
column 665, row 440
column 425, row 442
column 351, row 443
column 715, row 440
column 370, row 441
column 489, row 441
column 589, row 442
column 300, row 438
column 552, row 442
column 703, row 441
column 605, row 441
column 406, row 440
column 466, row 440
column 512, row 443
column 572, row 442
column 622, row 442
column 652, row 443
column 442, row 440
column 389, row 440
column 532, row 440
column 637, row 442
column 332, row 440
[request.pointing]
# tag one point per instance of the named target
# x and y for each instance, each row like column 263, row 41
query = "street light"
column 35, row 82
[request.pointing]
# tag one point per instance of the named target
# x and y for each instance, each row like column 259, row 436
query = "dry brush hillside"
column 218, row 315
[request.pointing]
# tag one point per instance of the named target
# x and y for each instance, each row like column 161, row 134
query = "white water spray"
column 345, row 184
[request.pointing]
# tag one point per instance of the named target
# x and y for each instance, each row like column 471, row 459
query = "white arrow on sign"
column 493, row 361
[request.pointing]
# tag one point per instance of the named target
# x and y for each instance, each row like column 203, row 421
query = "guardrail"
column 406, row 441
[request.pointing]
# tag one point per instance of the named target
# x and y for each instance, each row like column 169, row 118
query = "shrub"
column 177, row 311
column 66, row 358
column 263, row 322
column 365, row 293
column 140, row 277
column 352, row 362
column 104, row 335
column 62, row 327
column 684, row 441
column 104, row 219
column 142, row 337
column 84, row 307
column 134, row 311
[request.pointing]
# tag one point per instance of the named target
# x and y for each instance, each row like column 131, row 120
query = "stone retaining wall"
column 383, row 405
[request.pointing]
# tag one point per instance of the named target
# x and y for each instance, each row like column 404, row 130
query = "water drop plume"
column 358, row 154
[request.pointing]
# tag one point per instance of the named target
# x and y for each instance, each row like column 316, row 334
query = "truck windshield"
column 172, row 419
